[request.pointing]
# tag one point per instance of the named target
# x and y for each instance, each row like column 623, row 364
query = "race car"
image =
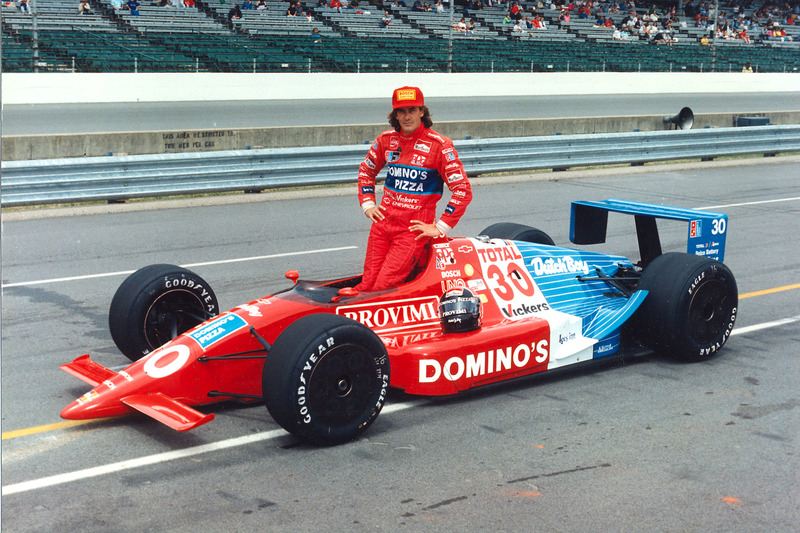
column 504, row 304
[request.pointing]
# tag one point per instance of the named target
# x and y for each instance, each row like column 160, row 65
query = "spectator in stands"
column 337, row 5
column 188, row 3
column 743, row 36
column 526, row 23
column 235, row 13
column 23, row 6
column 116, row 4
column 292, row 11
column 133, row 7
column 386, row 20
column 84, row 8
column 747, row 68
column 316, row 37
column 417, row 6
column 662, row 38
column 471, row 27
column 780, row 33
column 247, row 4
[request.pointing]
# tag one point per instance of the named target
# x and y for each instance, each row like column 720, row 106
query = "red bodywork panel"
column 165, row 383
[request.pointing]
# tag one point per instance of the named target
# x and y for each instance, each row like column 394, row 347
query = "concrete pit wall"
column 29, row 147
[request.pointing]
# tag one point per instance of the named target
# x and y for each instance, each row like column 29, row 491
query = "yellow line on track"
column 769, row 291
column 48, row 427
column 73, row 423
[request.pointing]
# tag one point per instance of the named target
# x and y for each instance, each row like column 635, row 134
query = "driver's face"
column 409, row 118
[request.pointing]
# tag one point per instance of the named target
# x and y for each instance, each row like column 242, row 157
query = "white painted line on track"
column 191, row 265
column 120, row 466
column 765, row 325
column 749, row 203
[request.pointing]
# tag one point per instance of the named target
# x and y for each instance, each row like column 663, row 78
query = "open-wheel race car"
column 505, row 304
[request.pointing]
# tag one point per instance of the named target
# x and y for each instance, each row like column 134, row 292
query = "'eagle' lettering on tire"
column 690, row 308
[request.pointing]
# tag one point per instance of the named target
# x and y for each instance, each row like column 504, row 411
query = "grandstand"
column 205, row 38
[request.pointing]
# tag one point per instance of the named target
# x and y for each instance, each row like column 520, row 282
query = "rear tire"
column 326, row 378
column 155, row 304
column 690, row 309
column 517, row 232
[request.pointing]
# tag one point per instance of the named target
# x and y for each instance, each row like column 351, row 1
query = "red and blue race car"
column 505, row 304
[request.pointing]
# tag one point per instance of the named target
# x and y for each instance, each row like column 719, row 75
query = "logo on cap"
column 406, row 94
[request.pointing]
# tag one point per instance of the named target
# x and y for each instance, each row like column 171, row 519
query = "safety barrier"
column 125, row 177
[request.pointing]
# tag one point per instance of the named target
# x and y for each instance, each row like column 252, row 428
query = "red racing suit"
column 419, row 165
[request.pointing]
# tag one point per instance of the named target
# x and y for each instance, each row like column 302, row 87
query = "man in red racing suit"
column 420, row 162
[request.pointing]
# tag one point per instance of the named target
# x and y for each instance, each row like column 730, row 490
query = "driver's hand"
column 425, row 230
column 375, row 214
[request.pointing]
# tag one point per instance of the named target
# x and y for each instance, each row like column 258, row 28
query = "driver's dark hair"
column 426, row 118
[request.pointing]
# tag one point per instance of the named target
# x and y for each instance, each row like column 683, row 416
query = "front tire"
column 155, row 304
column 517, row 232
column 326, row 378
column 691, row 306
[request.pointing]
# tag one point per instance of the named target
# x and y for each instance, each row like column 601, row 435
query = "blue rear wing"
column 706, row 235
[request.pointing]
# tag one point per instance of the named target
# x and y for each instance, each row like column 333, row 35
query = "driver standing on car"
column 420, row 162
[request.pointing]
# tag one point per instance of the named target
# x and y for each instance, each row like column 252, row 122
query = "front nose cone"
column 92, row 405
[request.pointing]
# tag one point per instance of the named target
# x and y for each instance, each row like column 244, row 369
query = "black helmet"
column 459, row 311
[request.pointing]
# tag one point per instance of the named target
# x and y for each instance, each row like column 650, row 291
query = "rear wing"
column 706, row 235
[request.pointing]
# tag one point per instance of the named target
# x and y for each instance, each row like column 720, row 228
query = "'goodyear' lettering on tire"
column 308, row 367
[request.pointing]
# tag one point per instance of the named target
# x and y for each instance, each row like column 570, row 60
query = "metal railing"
column 125, row 177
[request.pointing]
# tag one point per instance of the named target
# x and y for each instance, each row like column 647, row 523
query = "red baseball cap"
column 407, row 97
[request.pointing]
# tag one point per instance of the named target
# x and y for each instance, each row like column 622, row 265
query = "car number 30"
column 718, row 226
column 507, row 286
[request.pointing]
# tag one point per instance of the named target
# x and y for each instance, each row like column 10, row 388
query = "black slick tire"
column 690, row 309
column 517, row 232
column 156, row 304
column 326, row 378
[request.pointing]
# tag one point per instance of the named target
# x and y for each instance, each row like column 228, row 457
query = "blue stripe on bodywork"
column 602, row 307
